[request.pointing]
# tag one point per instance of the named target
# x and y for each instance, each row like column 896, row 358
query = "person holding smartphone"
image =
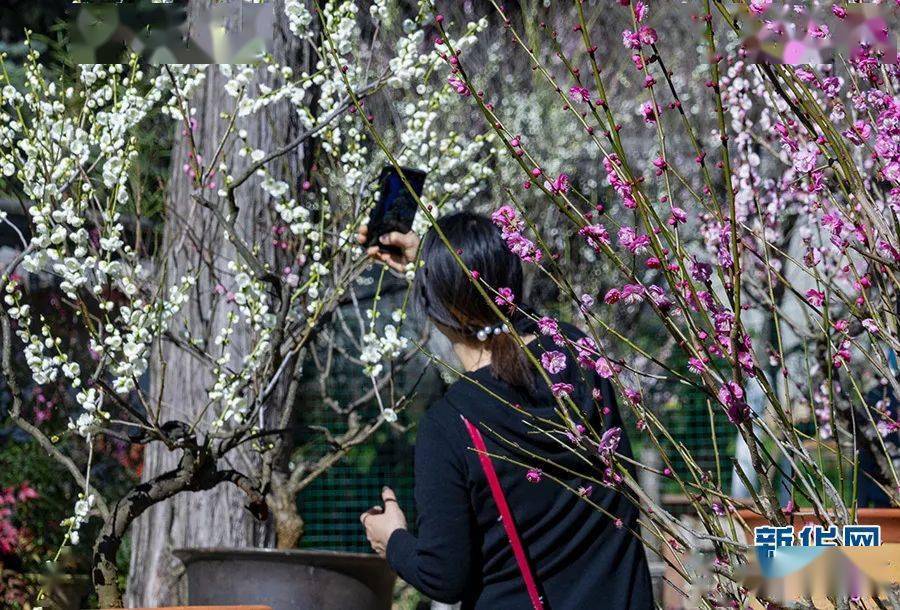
column 553, row 550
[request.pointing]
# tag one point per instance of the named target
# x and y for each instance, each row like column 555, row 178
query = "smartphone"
column 396, row 208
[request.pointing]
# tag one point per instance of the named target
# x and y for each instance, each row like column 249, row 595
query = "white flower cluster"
column 378, row 349
column 82, row 511
column 314, row 287
column 291, row 212
column 380, row 12
column 409, row 65
column 16, row 308
column 341, row 23
column 73, row 151
column 186, row 77
column 458, row 166
column 43, row 353
column 253, row 309
column 92, row 417
column 254, row 94
column 293, row 91
column 53, row 148
column 239, row 77
column 250, row 296
column 343, row 139
column 299, row 18
column 125, row 341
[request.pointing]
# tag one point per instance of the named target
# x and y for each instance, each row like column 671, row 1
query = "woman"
column 579, row 557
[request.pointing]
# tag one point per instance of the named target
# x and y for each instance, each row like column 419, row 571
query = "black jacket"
column 581, row 559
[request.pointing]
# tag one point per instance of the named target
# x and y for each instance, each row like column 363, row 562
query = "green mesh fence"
column 688, row 420
column 331, row 505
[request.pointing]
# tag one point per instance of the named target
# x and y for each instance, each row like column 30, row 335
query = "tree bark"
column 196, row 471
column 138, row 500
column 285, row 514
column 194, row 245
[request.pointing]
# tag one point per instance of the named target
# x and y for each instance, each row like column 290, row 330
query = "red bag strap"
column 505, row 514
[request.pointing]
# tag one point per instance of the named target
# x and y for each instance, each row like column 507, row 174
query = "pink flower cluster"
column 511, row 227
column 189, row 169
column 632, row 241
column 579, row 94
column 758, row 7
column 622, row 188
column 506, row 298
column 550, row 328
column 554, row 362
column 628, row 294
column 459, row 86
column 606, row 449
column 609, row 443
column 43, row 406
column 558, row 186
column 731, row 395
column 562, row 389
column 887, row 135
column 10, row 535
column 644, row 35
column 596, row 236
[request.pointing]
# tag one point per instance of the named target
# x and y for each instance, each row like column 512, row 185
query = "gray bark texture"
column 194, row 245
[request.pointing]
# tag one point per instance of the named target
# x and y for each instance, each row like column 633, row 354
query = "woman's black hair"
column 448, row 295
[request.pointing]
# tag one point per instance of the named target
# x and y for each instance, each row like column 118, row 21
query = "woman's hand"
column 382, row 521
column 408, row 243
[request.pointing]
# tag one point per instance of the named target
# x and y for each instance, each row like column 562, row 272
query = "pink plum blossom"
column 506, row 298
column 459, row 86
column 554, row 362
column 562, row 389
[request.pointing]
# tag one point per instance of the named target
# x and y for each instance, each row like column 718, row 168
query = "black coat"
column 580, row 557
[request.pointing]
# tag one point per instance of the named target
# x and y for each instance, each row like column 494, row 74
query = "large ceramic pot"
column 288, row 580
column 887, row 518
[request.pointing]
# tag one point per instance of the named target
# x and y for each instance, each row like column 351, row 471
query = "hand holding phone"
column 396, row 250
column 395, row 210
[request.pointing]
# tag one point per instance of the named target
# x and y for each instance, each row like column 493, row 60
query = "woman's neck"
column 472, row 357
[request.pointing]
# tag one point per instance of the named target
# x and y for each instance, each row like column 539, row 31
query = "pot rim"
column 190, row 554
column 207, row 607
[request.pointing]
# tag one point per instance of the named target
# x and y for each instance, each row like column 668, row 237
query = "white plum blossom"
column 377, row 349
column 299, row 18
column 91, row 420
column 80, row 514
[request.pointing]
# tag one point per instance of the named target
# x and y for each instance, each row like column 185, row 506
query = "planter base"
column 288, row 580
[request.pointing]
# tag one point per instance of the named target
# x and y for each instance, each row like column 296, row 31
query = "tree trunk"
column 285, row 514
column 195, row 246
